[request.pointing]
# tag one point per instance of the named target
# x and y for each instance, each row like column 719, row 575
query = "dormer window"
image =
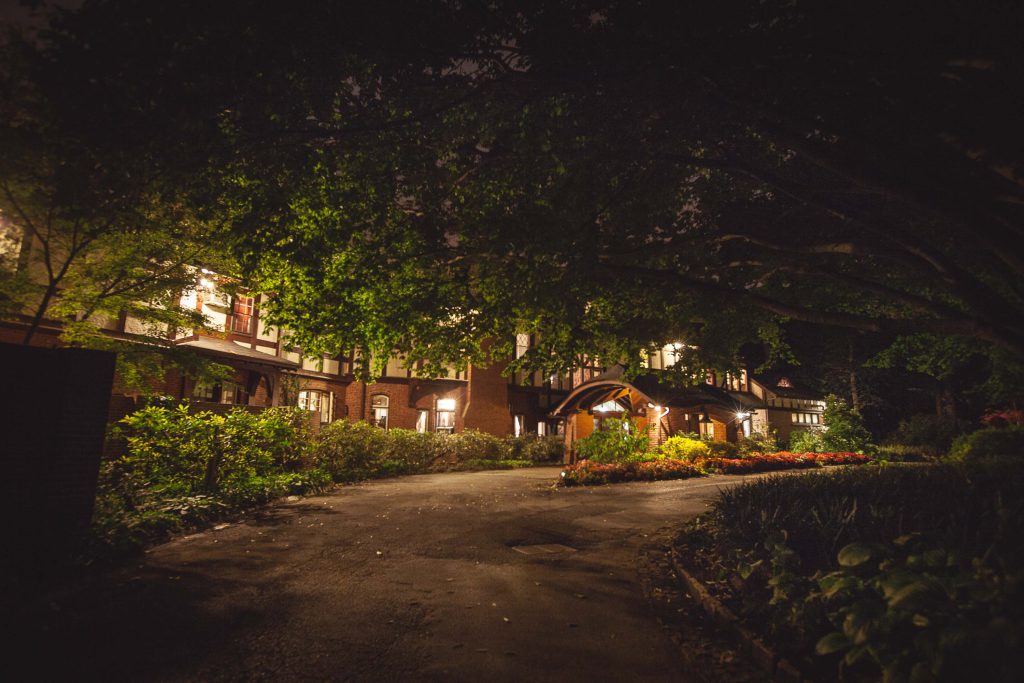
column 784, row 383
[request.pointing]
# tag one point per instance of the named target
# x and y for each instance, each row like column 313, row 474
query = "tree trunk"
column 851, row 367
column 945, row 402
column 213, row 464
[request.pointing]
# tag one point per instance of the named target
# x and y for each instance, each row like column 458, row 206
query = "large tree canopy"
column 423, row 176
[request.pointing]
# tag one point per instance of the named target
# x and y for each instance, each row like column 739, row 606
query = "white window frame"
column 380, row 410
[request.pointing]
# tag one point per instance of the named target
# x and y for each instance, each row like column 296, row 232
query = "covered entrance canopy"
column 665, row 409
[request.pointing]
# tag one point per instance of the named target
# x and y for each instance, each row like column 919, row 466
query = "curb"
column 749, row 644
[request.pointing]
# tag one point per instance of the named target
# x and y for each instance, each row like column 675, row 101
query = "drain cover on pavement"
column 543, row 549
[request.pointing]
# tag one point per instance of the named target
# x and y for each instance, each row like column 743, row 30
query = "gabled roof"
column 651, row 389
column 776, row 382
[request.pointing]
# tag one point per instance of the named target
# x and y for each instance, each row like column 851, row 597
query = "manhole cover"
column 543, row 549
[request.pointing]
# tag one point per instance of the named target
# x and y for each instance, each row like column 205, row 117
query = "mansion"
column 267, row 371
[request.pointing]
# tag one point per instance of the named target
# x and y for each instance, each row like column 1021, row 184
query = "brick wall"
column 406, row 398
column 487, row 401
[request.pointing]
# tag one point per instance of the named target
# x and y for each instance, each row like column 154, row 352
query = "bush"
column 991, row 442
column 351, row 450
column 806, row 441
column 621, row 441
column 758, row 442
column 898, row 453
column 684, row 448
column 535, row 448
column 415, row 450
column 172, row 448
column 876, row 570
column 927, row 432
column 723, row 449
column 844, row 428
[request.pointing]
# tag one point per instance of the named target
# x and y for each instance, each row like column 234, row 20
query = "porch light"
column 742, row 415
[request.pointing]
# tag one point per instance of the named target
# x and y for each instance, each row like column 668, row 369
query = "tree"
column 423, row 178
column 844, row 429
column 91, row 233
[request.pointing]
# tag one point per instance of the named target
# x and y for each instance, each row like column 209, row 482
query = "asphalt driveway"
column 487, row 576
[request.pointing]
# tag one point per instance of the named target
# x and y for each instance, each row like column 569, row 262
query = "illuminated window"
column 519, row 424
column 608, row 407
column 421, row 421
column 230, row 393
column 522, row 345
column 203, row 391
column 379, row 410
column 445, row 419
column 318, row 401
column 241, row 314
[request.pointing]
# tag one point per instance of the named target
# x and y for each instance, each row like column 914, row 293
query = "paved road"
column 410, row 579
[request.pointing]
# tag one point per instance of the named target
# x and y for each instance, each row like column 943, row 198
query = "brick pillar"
column 487, row 401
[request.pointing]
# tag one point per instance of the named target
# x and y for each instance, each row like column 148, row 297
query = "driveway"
column 423, row 578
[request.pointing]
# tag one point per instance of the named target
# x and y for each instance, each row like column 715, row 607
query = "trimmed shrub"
column 351, row 450
column 473, row 444
column 684, row 448
column 415, row 450
column 991, row 442
column 535, row 448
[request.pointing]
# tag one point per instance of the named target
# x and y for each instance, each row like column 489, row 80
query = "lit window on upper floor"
column 242, row 309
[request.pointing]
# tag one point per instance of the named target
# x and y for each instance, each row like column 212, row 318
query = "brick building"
column 722, row 408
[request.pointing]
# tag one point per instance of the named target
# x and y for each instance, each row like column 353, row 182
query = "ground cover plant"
column 894, row 573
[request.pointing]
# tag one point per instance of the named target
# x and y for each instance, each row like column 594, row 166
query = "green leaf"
column 854, row 555
column 854, row 654
column 833, row 642
column 908, row 594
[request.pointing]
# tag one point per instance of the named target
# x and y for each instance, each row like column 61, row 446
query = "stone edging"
column 764, row 657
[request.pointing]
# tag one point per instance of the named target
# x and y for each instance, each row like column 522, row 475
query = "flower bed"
column 586, row 472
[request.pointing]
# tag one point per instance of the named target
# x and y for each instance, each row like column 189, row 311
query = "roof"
column 229, row 350
column 652, row 389
column 772, row 380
